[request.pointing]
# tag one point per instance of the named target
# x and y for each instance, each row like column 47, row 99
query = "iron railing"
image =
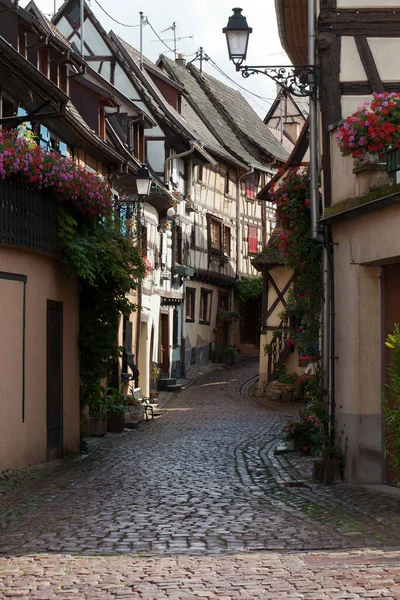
column 28, row 218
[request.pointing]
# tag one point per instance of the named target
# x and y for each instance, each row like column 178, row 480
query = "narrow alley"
column 196, row 504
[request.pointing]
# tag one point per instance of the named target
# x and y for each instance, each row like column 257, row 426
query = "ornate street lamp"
column 301, row 80
column 237, row 36
column 143, row 181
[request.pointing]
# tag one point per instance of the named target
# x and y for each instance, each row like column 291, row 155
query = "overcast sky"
column 204, row 20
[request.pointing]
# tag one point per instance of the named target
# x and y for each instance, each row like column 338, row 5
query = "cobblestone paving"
column 196, row 504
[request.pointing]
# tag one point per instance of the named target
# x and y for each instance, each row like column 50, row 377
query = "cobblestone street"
column 195, row 504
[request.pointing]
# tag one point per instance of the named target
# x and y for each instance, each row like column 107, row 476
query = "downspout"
column 239, row 224
column 313, row 120
column 317, row 236
column 189, row 193
column 189, row 184
column 174, row 157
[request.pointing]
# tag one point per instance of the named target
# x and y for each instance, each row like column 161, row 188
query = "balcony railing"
column 28, row 218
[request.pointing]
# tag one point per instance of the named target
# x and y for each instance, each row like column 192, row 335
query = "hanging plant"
column 38, row 168
column 372, row 128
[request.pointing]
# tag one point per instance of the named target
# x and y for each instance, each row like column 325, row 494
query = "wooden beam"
column 363, row 88
column 330, row 99
column 360, row 22
column 369, row 65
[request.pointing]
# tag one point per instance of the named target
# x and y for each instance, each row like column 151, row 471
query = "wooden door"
column 164, row 343
column 54, row 371
column 250, row 321
column 391, row 278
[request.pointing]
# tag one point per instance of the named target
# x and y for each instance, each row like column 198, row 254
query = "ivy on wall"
column 303, row 255
column 247, row 288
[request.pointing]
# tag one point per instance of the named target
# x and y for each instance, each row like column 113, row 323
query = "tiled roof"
column 242, row 115
column 209, row 115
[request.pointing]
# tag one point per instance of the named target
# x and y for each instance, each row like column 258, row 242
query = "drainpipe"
column 174, row 157
column 313, row 120
column 239, row 224
column 316, row 233
column 189, row 193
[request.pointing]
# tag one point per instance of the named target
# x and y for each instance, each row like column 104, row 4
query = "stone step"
column 162, row 384
column 174, row 388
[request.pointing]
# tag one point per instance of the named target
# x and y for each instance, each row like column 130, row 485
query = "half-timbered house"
column 357, row 54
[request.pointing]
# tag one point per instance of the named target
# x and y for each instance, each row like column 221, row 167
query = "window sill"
column 189, row 320
column 204, row 322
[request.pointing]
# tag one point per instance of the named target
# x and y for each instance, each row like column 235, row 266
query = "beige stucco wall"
column 23, row 443
column 360, row 247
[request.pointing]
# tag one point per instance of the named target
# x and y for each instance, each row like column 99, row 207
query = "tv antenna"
column 174, row 38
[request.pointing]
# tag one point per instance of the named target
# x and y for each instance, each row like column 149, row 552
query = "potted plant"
column 97, row 406
column 115, row 406
column 232, row 352
column 155, row 376
column 218, row 353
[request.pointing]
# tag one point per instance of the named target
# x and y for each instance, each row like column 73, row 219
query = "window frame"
column 205, row 293
column 254, row 230
column 250, row 187
column 192, row 293
column 227, row 247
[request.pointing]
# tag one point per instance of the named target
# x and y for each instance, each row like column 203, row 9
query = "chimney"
column 180, row 60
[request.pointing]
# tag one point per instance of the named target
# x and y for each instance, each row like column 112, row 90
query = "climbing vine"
column 303, row 255
column 108, row 267
column 247, row 288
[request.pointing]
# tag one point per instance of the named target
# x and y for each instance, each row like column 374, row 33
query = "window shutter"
column 250, row 187
column 253, row 240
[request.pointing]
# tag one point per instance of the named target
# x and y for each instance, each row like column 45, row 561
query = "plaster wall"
column 358, row 340
column 25, row 442
column 386, row 53
column 123, row 83
column 351, row 103
column 351, row 68
column 281, row 276
column 155, row 154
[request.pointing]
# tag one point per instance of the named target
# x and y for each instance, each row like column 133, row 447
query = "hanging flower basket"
column 373, row 128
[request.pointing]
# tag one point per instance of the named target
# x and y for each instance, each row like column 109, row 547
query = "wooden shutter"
column 253, row 240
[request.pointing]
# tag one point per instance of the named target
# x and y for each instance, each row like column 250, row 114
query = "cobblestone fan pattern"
column 183, row 507
column 255, row 576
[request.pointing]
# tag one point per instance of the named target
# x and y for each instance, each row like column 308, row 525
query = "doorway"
column 164, row 343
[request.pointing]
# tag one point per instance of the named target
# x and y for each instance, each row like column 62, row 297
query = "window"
column 253, row 240
column 227, row 175
column 193, row 237
column 177, row 246
column 227, row 240
column 250, row 187
column 205, row 306
column 190, row 304
column 200, row 173
column 215, row 234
